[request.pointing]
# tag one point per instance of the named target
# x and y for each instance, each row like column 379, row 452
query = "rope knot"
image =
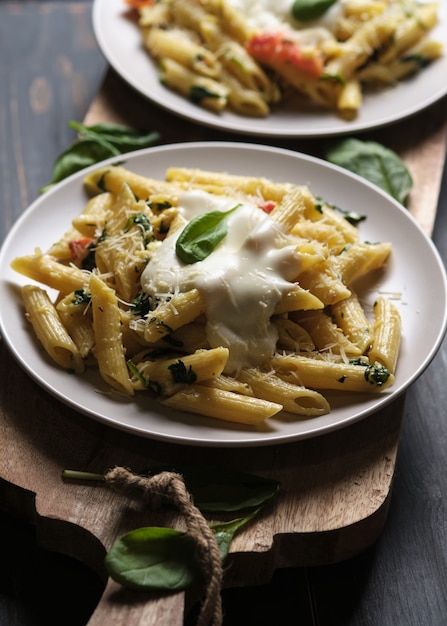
column 168, row 488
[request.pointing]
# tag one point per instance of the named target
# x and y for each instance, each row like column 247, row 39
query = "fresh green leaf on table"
column 96, row 143
column 166, row 559
column 225, row 532
column 376, row 163
column 121, row 137
column 154, row 558
column 222, row 489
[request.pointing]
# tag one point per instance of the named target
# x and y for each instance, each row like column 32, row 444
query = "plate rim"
column 382, row 400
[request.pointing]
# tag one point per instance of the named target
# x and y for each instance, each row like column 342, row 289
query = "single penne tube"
column 181, row 309
column 112, row 177
column 324, row 283
column 81, row 331
column 350, row 99
column 223, row 405
column 202, row 90
column 387, row 334
column 319, row 373
column 358, row 259
column 326, row 335
column 45, row 269
column 350, row 316
column 176, row 45
column 294, row 398
column 49, row 329
column 298, row 299
column 109, row 350
column 291, row 336
column 90, row 222
column 250, row 185
column 75, row 314
column 170, row 374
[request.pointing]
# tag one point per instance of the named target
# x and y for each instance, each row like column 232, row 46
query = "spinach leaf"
column 166, row 559
column 201, row 236
column 222, row 489
column 154, row 558
column 121, row 137
column 82, row 153
column 180, row 374
column 96, row 143
column 308, row 10
column 376, row 163
column 224, row 533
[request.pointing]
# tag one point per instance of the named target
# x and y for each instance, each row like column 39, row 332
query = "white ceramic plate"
column 422, row 302
column 120, row 41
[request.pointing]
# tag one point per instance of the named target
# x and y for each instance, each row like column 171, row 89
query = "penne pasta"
column 224, row 405
column 387, row 334
column 109, row 350
column 49, row 329
column 228, row 296
column 222, row 55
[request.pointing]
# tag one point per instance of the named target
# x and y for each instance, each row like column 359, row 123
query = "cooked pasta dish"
column 251, row 55
column 225, row 295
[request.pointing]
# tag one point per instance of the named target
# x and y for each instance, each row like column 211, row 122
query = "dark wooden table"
column 50, row 71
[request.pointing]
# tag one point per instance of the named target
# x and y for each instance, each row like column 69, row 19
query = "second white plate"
column 120, row 41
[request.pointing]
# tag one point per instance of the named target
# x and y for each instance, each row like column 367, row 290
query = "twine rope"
column 169, row 488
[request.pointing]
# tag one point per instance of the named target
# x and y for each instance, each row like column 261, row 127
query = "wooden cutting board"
column 335, row 489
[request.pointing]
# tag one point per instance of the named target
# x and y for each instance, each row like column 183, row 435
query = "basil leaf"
column 224, row 533
column 123, row 138
column 222, row 489
column 201, row 236
column 376, row 163
column 96, row 143
column 154, row 558
column 308, row 10
column 81, row 154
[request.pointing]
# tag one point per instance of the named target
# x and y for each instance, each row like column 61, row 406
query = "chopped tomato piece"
column 267, row 206
column 79, row 248
column 276, row 48
column 138, row 4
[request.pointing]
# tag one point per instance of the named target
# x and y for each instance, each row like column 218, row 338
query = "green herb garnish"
column 375, row 163
column 201, row 235
column 182, row 375
column 308, row 10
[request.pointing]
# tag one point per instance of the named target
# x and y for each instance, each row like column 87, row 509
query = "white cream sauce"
column 277, row 15
column 242, row 280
